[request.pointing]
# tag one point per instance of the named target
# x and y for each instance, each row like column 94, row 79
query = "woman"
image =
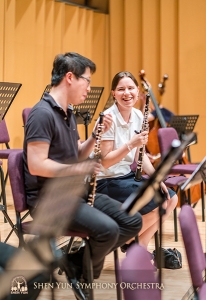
column 120, row 147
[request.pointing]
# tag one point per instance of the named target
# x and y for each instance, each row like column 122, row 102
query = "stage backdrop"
column 159, row 36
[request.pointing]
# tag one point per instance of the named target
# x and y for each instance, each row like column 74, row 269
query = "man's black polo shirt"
column 47, row 122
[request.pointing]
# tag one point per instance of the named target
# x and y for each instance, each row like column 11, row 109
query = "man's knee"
column 134, row 222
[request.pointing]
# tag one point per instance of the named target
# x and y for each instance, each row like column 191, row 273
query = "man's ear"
column 69, row 76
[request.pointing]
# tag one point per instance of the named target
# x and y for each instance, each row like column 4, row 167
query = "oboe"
column 145, row 127
column 97, row 155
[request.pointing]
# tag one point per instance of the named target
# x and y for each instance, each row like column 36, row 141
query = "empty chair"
column 194, row 250
column 165, row 138
column 4, row 153
column 25, row 114
column 138, row 276
column 16, row 176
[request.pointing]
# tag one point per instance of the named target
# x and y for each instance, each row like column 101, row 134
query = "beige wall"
column 159, row 36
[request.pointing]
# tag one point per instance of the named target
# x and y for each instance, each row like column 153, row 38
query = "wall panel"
column 117, row 45
column 169, row 53
column 151, row 41
column 133, row 36
column 159, row 36
column 2, row 42
column 192, row 67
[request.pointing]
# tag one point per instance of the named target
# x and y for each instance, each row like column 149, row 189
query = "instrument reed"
column 145, row 127
column 97, row 155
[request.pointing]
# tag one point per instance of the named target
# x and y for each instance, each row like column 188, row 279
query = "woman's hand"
column 165, row 190
column 140, row 139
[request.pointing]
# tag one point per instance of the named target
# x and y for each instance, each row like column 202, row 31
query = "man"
column 52, row 148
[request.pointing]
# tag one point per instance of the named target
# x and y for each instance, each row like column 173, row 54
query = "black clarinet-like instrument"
column 97, row 155
column 145, row 127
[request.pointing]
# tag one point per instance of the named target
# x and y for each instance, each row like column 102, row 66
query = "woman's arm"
column 110, row 157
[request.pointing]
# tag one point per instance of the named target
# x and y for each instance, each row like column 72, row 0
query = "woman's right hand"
column 140, row 139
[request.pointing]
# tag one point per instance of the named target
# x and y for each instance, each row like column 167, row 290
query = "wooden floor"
column 176, row 282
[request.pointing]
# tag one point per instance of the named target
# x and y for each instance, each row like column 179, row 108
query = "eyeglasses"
column 87, row 79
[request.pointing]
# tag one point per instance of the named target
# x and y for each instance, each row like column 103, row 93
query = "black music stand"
column 84, row 112
column 46, row 90
column 150, row 188
column 109, row 102
column 185, row 124
column 8, row 91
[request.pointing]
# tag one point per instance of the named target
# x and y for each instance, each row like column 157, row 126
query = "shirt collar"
column 120, row 118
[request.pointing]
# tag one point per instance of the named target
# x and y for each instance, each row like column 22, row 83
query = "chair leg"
column 90, row 276
column 3, row 192
column 136, row 239
column 156, row 237
column 175, row 224
column 117, row 274
column 68, row 248
column 203, row 200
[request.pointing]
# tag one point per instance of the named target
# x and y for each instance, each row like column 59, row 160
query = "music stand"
column 109, row 102
column 150, row 188
column 185, row 124
column 8, row 91
column 46, row 90
column 84, row 112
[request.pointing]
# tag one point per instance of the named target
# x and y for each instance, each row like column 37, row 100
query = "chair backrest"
column 137, row 273
column 16, row 176
column 25, row 114
column 4, row 134
column 165, row 138
column 193, row 245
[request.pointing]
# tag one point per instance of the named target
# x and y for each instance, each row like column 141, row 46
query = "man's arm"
column 40, row 164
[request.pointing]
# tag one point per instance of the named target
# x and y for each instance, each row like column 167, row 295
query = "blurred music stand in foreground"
column 185, row 124
column 84, row 112
column 150, row 188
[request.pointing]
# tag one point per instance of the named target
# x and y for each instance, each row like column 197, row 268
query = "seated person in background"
column 120, row 147
column 52, row 148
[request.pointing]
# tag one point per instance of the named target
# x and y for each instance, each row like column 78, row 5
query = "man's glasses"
column 87, row 79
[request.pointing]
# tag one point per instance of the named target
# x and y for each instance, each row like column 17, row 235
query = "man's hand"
column 107, row 121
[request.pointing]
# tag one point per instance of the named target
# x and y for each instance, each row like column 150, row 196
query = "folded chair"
column 194, row 251
column 3, row 207
column 138, row 275
column 4, row 153
column 25, row 114
column 16, row 176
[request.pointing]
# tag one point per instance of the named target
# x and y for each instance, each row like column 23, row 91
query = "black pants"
column 108, row 227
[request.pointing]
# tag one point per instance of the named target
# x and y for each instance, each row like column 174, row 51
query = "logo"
column 19, row 285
